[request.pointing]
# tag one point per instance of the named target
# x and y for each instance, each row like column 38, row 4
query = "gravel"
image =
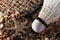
column 9, row 11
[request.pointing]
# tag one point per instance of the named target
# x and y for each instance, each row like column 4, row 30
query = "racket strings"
column 21, row 6
column 28, row 7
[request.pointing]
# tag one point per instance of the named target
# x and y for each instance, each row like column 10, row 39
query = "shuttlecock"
column 50, row 11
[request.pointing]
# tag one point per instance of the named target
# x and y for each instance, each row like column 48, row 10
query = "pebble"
column 1, row 26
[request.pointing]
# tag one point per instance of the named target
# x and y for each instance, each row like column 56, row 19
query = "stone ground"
column 7, row 15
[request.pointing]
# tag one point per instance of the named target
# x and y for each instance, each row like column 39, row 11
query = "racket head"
column 24, row 8
column 32, row 7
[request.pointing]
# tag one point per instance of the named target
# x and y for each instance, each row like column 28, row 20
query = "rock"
column 1, row 26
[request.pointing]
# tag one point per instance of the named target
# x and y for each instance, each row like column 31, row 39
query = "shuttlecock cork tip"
column 37, row 26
